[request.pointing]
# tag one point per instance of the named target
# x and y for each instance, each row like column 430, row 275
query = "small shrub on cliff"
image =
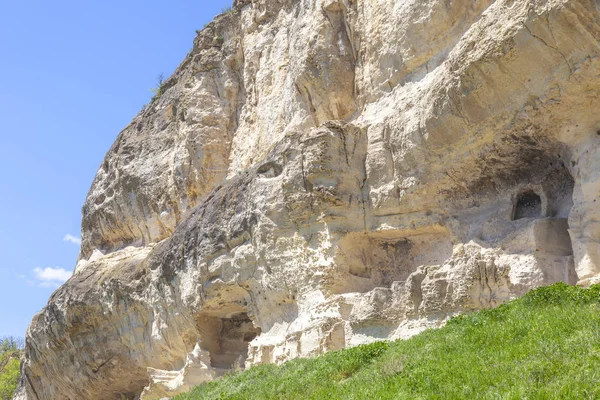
column 10, row 360
column 158, row 90
column 545, row 345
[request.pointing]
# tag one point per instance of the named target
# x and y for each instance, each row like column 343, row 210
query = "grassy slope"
column 545, row 345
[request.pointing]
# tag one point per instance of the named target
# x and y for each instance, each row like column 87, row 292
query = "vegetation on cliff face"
column 10, row 359
column 544, row 345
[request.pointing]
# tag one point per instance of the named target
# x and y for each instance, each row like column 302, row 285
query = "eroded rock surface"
column 320, row 174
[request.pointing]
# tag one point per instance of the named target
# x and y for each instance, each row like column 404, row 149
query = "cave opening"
column 544, row 205
column 528, row 205
column 227, row 338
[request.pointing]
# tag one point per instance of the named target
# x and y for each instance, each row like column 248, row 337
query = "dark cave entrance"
column 527, row 205
column 227, row 339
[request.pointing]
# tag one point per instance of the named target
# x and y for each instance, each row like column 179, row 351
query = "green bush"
column 10, row 360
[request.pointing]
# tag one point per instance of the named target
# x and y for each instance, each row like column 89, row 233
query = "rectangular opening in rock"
column 528, row 205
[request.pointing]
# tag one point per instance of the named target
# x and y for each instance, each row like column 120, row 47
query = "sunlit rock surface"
column 317, row 175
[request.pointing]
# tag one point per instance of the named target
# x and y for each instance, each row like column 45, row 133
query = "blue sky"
column 72, row 75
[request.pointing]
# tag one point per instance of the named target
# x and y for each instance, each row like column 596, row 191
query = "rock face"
column 320, row 174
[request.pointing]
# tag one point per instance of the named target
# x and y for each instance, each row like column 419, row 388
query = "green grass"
column 10, row 359
column 545, row 345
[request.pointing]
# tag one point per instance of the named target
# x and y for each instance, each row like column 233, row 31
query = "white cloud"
column 73, row 239
column 51, row 276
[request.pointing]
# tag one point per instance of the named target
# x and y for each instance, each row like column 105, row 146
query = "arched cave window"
column 528, row 205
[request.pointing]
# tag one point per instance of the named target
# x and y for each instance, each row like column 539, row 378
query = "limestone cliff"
column 319, row 174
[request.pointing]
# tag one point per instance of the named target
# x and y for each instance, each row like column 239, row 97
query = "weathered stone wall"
column 320, row 174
